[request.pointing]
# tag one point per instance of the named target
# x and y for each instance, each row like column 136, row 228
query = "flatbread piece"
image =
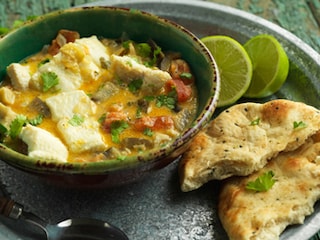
column 246, row 214
column 244, row 137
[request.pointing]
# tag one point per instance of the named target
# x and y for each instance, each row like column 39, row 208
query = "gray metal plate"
column 155, row 208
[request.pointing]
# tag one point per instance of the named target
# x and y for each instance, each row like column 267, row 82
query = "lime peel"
column 234, row 65
column 270, row 65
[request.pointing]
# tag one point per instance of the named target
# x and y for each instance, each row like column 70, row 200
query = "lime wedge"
column 234, row 66
column 270, row 65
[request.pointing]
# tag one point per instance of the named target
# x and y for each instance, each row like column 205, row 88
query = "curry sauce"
column 94, row 99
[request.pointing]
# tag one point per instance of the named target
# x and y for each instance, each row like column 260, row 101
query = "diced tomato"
column 179, row 69
column 170, row 85
column 53, row 48
column 70, row 36
column 163, row 122
column 153, row 123
column 184, row 92
column 142, row 123
column 67, row 35
column 111, row 117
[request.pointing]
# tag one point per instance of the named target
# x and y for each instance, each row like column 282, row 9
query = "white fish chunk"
column 96, row 48
column 83, row 137
column 7, row 115
column 19, row 76
column 73, row 65
column 66, row 104
column 7, row 96
column 69, row 79
column 128, row 69
column 43, row 145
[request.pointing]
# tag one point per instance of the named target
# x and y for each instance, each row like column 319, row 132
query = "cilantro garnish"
column 36, row 121
column 144, row 49
column 138, row 112
column 3, row 129
column 149, row 98
column 255, row 122
column 300, row 124
column 186, row 75
column 19, row 122
column 102, row 118
column 16, row 125
column 43, row 62
column 3, row 132
column 135, row 85
column 148, row 132
column 168, row 101
column 156, row 53
column 117, row 127
column 126, row 44
column 263, row 183
column 164, row 100
column 49, row 79
column 76, row 120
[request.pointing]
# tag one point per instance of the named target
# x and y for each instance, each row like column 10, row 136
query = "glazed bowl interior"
column 112, row 22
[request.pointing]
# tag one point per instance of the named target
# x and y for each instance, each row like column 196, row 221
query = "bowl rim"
column 46, row 166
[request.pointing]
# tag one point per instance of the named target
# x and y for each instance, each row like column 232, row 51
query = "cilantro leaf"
column 16, row 125
column 154, row 57
column 138, row 113
column 76, row 120
column 135, row 85
column 3, row 129
column 149, row 98
column 300, row 124
column 148, row 132
column 36, row 121
column 44, row 61
column 117, row 127
column 126, row 44
column 168, row 101
column 102, row 118
column 144, row 49
column 19, row 122
column 263, row 183
column 3, row 132
column 186, row 75
column 255, row 122
column 49, row 79
column 156, row 53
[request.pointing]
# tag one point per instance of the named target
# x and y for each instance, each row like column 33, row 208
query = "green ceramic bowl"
column 112, row 22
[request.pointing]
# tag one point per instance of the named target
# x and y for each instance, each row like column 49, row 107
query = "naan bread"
column 243, row 138
column 246, row 214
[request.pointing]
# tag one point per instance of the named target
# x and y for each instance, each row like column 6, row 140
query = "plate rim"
column 307, row 49
column 250, row 17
